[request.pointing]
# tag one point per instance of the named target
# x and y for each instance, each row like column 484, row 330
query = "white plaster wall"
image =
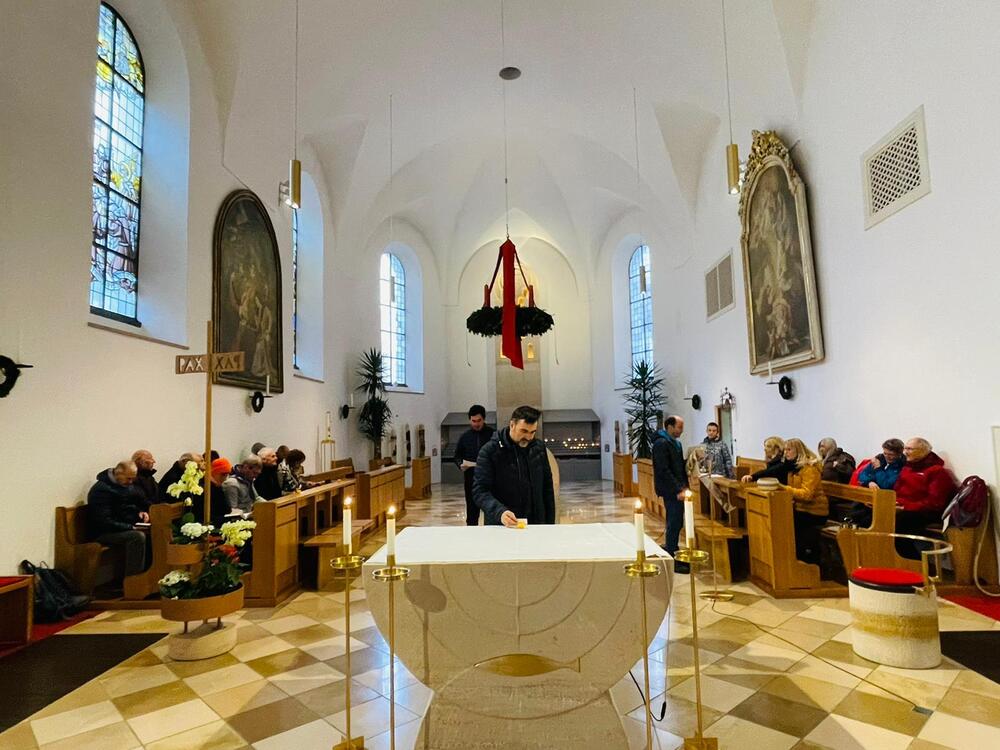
column 909, row 308
column 95, row 396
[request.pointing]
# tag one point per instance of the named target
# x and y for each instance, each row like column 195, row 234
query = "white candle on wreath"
column 267, row 387
column 770, row 371
column 390, row 531
column 347, row 524
column 640, row 530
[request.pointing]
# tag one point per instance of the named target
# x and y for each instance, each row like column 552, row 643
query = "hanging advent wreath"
column 510, row 320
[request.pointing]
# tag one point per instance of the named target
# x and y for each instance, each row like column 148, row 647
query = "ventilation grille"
column 896, row 171
column 719, row 287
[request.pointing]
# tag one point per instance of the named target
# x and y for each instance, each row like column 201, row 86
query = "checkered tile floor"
column 776, row 675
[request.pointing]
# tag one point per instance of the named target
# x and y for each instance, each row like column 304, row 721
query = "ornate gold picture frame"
column 782, row 304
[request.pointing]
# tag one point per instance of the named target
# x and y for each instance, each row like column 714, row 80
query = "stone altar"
column 521, row 633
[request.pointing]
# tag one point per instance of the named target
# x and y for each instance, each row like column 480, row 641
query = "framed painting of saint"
column 246, row 292
column 783, row 322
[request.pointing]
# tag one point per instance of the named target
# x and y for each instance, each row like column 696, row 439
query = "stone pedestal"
column 203, row 642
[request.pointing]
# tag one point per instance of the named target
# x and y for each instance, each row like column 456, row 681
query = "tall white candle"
column 685, row 390
column 770, row 371
column 328, row 423
column 390, row 531
column 268, row 386
column 689, row 520
column 640, row 531
column 352, row 399
column 347, row 524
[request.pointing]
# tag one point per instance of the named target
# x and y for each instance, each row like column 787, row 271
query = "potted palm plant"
column 376, row 415
column 643, row 405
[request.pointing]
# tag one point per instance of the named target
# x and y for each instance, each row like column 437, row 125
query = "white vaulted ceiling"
column 571, row 151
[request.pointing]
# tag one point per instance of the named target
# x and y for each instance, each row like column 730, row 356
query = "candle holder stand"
column 642, row 570
column 346, row 564
column 390, row 574
column 694, row 558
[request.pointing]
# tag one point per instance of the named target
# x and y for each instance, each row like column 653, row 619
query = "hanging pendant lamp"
column 294, row 165
column 732, row 150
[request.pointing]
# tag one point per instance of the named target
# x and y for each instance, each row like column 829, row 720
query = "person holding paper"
column 513, row 479
column 466, row 453
column 113, row 512
column 670, row 482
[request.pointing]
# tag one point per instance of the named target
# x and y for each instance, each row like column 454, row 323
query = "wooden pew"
column 161, row 532
column 720, row 531
column 420, row 479
column 377, row 490
column 744, row 466
column 869, row 551
column 330, row 544
column 319, row 507
column 75, row 556
column 647, row 489
column 275, row 574
column 343, row 463
column 341, row 472
column 622, row 467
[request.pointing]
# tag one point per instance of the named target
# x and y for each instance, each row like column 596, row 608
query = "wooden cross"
column 208, row 364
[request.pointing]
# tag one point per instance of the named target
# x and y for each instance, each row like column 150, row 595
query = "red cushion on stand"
column 8, row 580
column 887, row 577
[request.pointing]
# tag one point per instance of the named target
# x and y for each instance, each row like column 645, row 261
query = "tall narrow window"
column 392, row 309
column 640, row 301
column 117, row 169
column 295, row 288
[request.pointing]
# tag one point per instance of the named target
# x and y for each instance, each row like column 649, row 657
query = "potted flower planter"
column 185, row 554
column 204, row 608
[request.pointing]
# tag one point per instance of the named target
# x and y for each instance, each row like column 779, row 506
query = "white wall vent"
column 895, row 170
column 719, row 287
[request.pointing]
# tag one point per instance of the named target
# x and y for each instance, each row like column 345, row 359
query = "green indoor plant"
column 642, row 405
column 376, row 415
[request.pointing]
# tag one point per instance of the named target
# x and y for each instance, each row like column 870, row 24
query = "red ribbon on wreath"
column 510, row 344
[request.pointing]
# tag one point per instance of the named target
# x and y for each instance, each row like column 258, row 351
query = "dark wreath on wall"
column 246, row 292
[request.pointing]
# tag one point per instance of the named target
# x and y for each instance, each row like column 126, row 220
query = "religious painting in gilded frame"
column 782, row 303
column 246, row 292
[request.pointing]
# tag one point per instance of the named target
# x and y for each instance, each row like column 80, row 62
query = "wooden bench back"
column 339, row 463
column 341, row 472
column 746, row 465
column 71, row 524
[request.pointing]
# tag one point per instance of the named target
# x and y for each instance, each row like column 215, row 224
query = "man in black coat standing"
column 113, row 512
column 466, row 453
column 670, row 482
column 513, row 478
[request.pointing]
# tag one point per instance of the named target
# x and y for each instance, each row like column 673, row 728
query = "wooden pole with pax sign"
column 208, row 364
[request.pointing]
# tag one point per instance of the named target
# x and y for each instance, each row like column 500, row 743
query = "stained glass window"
column 392, row 313
column 295, row 288
column 119, row 103
column 640, row 303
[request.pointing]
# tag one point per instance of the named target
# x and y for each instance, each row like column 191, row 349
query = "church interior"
column 471, row 374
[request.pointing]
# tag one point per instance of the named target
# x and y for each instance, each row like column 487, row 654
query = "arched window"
column 392, row 308
column 119, row 101
column 640, row 301
column 295, row 288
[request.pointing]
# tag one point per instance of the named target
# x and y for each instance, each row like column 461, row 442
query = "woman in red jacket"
column 923, row 490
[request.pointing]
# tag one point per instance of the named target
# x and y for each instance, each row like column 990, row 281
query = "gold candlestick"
column 642, row 570
column 392, row 573
column 345, row 564
column 695, row 557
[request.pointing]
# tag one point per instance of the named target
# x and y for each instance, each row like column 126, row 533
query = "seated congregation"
column 128, row 508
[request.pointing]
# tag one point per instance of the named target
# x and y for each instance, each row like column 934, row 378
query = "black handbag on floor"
column 55, row 597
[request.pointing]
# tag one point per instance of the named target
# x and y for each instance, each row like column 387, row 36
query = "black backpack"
column 55, row 596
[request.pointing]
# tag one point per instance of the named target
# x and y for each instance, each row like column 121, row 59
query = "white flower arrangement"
column 189, row 481
column 195, row 530
column 174, row 577
column 237, row 533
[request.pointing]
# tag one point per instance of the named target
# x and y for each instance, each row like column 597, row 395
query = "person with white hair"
column 838, row 464
column 924, row 487
column 268, row 484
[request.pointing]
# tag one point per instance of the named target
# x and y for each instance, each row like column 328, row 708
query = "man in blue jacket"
column 883, row 471
column 670, row 482
column 513, row 478
column 466, row 454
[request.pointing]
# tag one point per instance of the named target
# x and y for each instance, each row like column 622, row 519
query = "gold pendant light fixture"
column 294, row 165
column 732, row 150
